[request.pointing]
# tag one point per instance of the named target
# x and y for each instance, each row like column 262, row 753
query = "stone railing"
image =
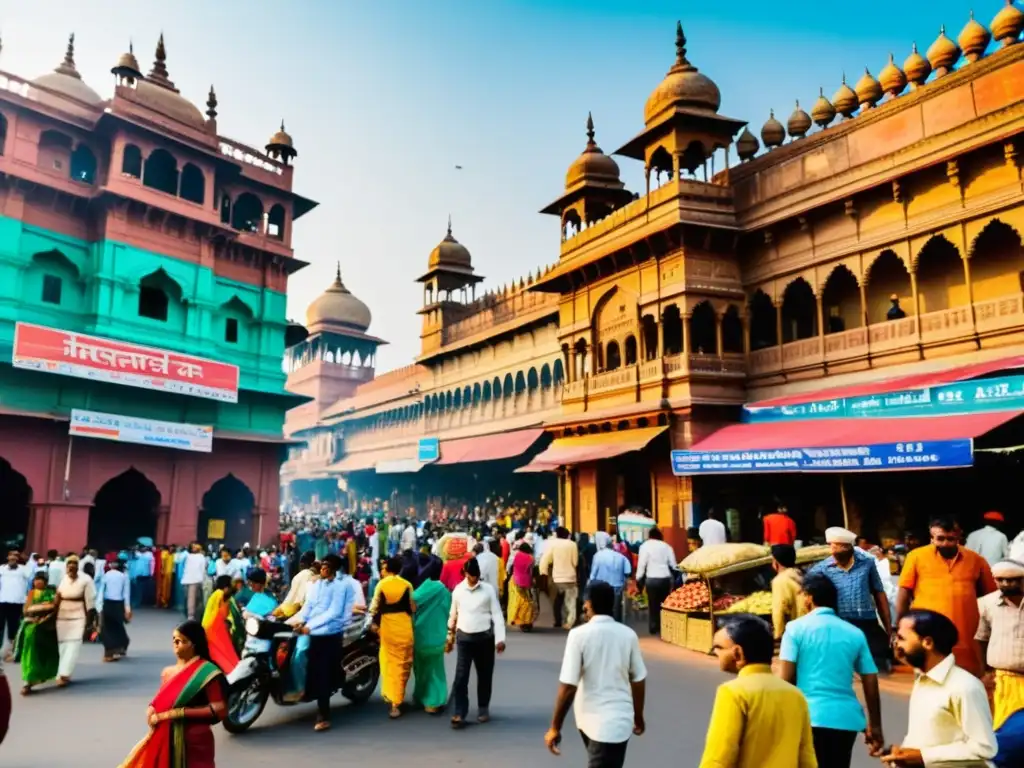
column 797, row 354
column 617, row 379
column 652, row 370
column 494, row 313
column 730, row 363
column 846, row 344
column 249, row 156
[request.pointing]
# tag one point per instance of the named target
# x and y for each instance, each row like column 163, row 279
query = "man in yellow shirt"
column 759, row 720
column 786, row 602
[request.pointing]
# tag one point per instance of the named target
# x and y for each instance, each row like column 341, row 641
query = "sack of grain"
column 715, row 556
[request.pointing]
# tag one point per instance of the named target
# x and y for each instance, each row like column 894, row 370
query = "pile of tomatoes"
column 690, row 597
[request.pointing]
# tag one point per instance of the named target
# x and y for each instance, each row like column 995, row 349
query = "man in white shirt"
column 193, row 574
column 15, row 579
column 712, row 530
column 488, row 564
column 228, row 566
column 477, row 628
column 988, row 541
column 604, row 678
column 409, row 537
column 559, row 561
column 55, row 568
column 950, row 721
column 654, row 568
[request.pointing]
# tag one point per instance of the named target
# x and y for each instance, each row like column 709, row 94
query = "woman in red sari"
column 190, row 700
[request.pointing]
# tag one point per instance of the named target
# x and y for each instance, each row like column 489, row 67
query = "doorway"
column 229, row 501
column 124, row 510
column 15, row 497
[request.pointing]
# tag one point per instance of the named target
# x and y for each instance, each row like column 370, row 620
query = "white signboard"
column 128, row 429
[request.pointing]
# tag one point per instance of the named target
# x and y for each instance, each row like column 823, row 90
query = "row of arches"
column 547, row 377
column 937, row 279
column 125, row 508
column 159, row 171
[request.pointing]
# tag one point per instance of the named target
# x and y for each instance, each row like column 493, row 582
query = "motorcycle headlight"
column 252, row 626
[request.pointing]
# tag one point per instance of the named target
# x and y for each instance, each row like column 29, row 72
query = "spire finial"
column 159, row 72
column 282, row 125
column 131, row 47
column 449, row 225
column 590, row 129
column 211, row 104
column 680, row 44
column 67, row 67
column 337, row 272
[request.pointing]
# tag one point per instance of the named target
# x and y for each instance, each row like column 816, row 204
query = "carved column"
column 686, row 334
column 970, row 290
column 718, row 336
column 917, row 301
column 778, row 324
column 746, row 333
column 820, row 305
column 864, row 314
column 661, row 334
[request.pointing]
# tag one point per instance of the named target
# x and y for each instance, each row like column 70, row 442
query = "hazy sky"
column 385, row 97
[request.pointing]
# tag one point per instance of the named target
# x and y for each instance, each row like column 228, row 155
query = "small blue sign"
column 428, row 450
column 977, row 396
column 937, row 454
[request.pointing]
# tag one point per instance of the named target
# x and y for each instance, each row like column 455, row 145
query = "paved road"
column 96, row 721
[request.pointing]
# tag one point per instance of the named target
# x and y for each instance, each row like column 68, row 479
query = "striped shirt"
column 1001, row 625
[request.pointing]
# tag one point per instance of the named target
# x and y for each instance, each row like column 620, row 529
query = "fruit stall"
column 722, row 579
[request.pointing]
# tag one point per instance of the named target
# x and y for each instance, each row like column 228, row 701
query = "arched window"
column 193, row 184
column 507, row 386
column 155, row 293
column 248, row 213
column 612, row 358
column 672, row 332
column 703, row 330
column 799, row 312
column 3, row 132
column 532, row 380
column 941, row 282
column 467, row 396
column 559, row 374
column 457, row 401
column 545, row 376
column 732, row 330
column 649, row 333
column 997, row 262
column 496, row 388
column 486, row 392
column 83, row 165
column 275, row 222
column 763, row 324
column 889, row 294
column 476, row 393
column 630, row 350
column 841, row 301
column 131, row 163
column 448, row 400
column 237, row 318
column 520, row 383
column 161, row 172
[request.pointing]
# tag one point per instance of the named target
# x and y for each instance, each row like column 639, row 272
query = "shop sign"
column 936, row 454
column 215, row 529
column 52, row 350
column 128, row 429
column 979, row 396
column 428, row 450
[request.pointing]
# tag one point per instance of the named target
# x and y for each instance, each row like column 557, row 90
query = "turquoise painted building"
column 131, row 220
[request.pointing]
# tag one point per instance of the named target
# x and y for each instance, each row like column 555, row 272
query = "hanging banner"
column 128, row 429
column 52, row 350
column 979, row 396
column 428, row 450
column 937, row 454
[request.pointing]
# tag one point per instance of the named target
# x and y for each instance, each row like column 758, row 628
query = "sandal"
column 322, row 725
column 26, row 690
column 63, row 682
column 395, row 713
column 433, row 710
column 458, row 723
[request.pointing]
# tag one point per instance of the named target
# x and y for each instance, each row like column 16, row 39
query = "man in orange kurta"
column 946, row 578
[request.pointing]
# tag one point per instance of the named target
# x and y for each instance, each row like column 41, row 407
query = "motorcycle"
column 264, row 671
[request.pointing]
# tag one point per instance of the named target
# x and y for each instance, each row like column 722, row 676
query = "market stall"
column 633, row 528
column 722, row 579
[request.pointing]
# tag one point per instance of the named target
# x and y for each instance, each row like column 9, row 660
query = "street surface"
column 97, row 720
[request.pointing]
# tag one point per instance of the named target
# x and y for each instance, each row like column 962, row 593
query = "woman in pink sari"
column 190, row 700
column 522, row 609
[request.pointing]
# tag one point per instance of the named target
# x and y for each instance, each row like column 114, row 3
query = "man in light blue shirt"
column 611, row 567
column 324, row 616
column 820, row 653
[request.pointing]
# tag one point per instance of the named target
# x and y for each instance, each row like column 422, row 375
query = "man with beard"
column 948, row 579
column 862, row 598
column 949, row 721
column 1001, row 636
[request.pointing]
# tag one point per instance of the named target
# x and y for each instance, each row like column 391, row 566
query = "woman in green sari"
column 36, row 644
column 430, row 630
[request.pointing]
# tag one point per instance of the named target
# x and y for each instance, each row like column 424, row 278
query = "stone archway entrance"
column 229, row 505
column 124, row 510
column 15, row 497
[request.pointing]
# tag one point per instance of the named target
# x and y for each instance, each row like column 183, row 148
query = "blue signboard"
column 428, row 450
column 937, row 454
column 978, row 396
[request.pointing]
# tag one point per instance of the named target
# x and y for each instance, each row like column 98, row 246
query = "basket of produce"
column 453, row 546
column 673, row 627
column 759, row 603
column 716, row 558
column 692, row 596
column 813, row 553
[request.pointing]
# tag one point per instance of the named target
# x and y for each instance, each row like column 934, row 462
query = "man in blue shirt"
column 862, row 598
column 324, row 616
column 819, row 655
column 611, row 567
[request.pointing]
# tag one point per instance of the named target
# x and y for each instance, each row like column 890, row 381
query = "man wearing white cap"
column 862, row 599
column 1000, row 633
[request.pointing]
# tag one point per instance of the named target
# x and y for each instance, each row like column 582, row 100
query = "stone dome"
column 845, row 99
column 799, row 123
column 868, row 90
column 974, row 39
column 65, row 79
column 338, row 307
column 892, row 79
column 823, row 112
column 772, row 132
column 592, row 164
column 1007, row 24
column 683, row 86
column 943, row 53
column 281, row 139
column 917, row 67
column 747, row 145
column 450, row 253
column 158, row 93
column 127, row 65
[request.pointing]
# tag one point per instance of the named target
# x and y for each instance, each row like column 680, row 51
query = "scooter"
column 264, row 671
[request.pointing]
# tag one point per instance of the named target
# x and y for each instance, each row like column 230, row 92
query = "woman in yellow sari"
column 165, row 578
column 392, row 609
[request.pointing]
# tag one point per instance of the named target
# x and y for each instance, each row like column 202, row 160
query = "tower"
column 449, row 284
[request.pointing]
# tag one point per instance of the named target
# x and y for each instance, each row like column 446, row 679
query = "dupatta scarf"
column 164, row 746
column 225, row 630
